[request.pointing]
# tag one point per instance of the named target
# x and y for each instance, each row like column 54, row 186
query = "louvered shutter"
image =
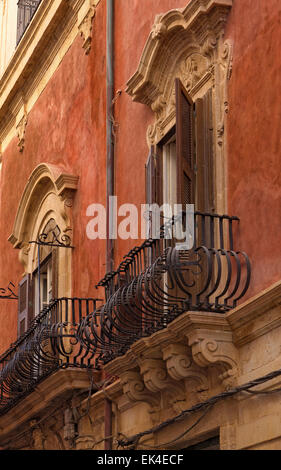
column 204, row 153
column 150, row 178
column 184, row 146
column 24, row 304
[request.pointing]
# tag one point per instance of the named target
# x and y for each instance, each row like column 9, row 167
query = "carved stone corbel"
column 135, row 390
column 158, row 29
column 67, row 187
column 23, row 255
column 20, row 129
column 216, row 350
column 180, row 366
column 37, row 435
column 157, row 379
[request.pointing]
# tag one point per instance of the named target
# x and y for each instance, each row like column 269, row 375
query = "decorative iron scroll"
column 8, row 292
column 52, row 237
column 156, row 282
column 49, row 344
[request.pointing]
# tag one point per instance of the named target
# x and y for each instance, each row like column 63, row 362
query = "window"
column 26, row 10
column 181, row 169
column 209, row 444
column 36, row 290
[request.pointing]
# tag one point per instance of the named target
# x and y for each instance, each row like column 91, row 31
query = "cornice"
column 62, row 383
column 48, row 37
column 45, row 178
column 173, row 34
column 257, row 316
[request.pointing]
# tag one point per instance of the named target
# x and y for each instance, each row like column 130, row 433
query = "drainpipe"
column 109, row 176
column 109, row 127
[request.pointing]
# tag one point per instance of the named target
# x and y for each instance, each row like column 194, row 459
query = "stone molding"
column 62, row 383
column 211, row 340
column 47, row 39
column 85, row 24
column 257, row 316
column 44, row 179
column 156, row 370
column 188, row 44
column 135, row 390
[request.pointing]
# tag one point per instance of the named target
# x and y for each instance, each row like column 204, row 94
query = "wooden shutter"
column 204, row 153
column 150, row 178
column 24, row 304
column 184, row 146
column 153, row 177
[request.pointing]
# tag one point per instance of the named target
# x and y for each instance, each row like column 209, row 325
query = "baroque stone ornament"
column 21, row 127
column 86, row 24
column 187, row 43
column 217, row 351
column 135, row 390
column 180, row 366
column 157, row 379
column 225, row 64
column 37, row 435
column 183, row 43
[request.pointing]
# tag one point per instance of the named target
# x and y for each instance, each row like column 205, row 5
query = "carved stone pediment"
column 188, row 44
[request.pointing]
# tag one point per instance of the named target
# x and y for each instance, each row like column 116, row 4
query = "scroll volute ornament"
column 216, row 350
column 180, row 366
column 135, row 390
column 186, row 44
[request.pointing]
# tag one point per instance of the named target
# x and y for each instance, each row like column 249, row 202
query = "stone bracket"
column 134, row 389
column 215, row 350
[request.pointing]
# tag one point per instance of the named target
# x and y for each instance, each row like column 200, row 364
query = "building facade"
column 113, row 336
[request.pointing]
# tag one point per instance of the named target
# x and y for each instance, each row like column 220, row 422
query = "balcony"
column 157, row 282
column 26, row 11
column 49, row 344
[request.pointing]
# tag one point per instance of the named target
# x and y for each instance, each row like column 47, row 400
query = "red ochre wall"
column 134, row 20
column 67, row 126
column 253, row 125
column 254, row 135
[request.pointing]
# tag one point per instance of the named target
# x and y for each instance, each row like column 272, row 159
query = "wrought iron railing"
column 157, row 281
column 26, row 11
column 154, row 284
column 49, row 344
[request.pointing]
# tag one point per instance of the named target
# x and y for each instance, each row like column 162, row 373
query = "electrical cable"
column 211, row 401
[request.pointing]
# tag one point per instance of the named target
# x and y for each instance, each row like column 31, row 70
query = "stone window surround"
column 189, row 44
column 49, row 193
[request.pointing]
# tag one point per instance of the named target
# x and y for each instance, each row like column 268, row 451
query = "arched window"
column 43, row 232
column 187, row 46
